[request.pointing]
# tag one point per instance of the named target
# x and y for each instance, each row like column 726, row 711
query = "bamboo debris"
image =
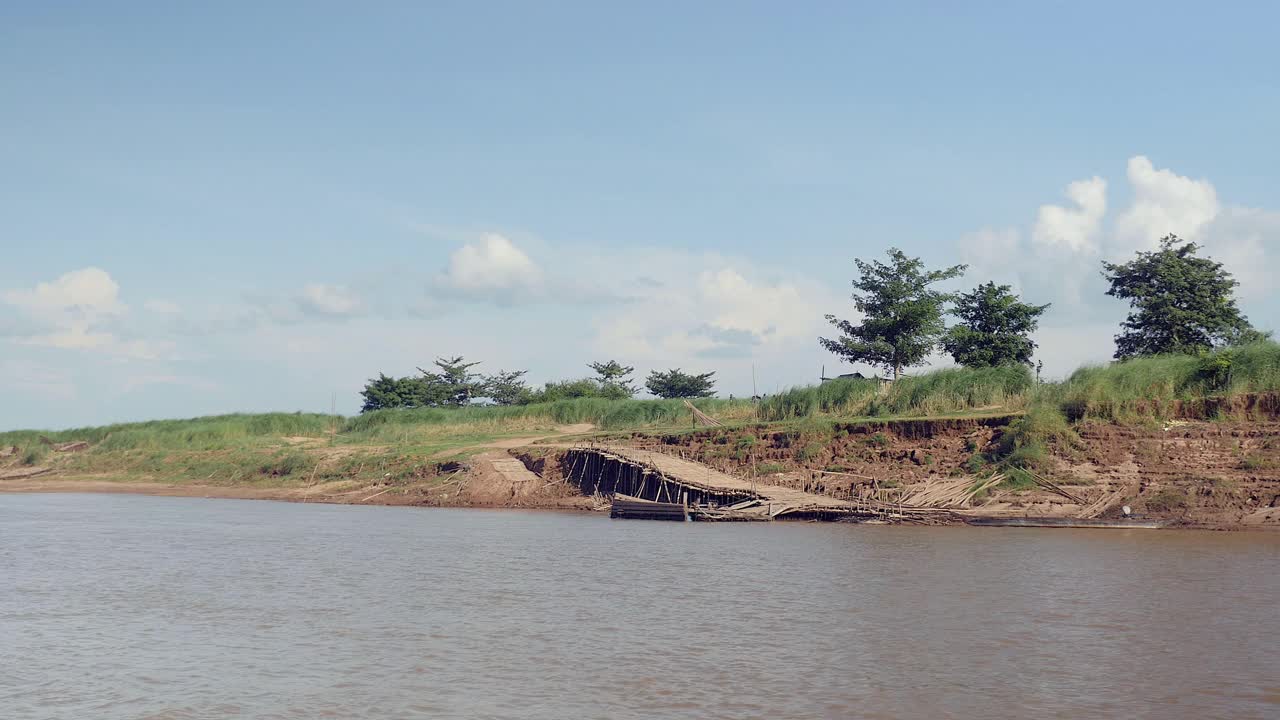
column 701, row 418
column 1054, row 487
column 953, row 493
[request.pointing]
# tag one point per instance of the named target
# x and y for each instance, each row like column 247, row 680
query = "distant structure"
column 822, row 378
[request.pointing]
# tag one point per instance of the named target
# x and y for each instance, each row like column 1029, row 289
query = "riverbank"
column 1204, row 474
column 1177, row 439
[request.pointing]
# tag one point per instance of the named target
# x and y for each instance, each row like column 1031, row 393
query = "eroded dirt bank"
column 1188, row 472
column 1195, row 472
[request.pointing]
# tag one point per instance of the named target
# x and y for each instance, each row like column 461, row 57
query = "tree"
column 386, row 392
column 676, row 384
column 507, row 388
column 1180, row 303
column 994, row 327
column 902, row 317
column 455, row 384
column 612, row 374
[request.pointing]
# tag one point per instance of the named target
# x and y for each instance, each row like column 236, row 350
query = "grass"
column 934, row 393
column 1168, row 500
column 1155, row 387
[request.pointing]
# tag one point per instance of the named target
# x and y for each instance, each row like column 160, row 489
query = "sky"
column 221, row 207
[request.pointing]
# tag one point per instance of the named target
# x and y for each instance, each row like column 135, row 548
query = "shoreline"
column 293, row 495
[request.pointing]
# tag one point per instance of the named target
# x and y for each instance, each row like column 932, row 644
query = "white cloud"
column 1246, row 241
column 992, row 253
column 1074, row 229
column 493, row 266
column 1163, row 203
column 329, row 300
column 79, row 311
column 718, row 312
column 88, row 294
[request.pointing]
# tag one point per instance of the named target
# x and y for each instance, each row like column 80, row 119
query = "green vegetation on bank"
column 1148, row 387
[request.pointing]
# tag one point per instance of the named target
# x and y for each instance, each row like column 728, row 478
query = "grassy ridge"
column 935, row 393
column 1153, row 387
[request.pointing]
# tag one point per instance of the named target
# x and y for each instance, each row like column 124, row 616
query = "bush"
column 284, row 464
column 1167, row 500
column 810, row 451
column 34, row 455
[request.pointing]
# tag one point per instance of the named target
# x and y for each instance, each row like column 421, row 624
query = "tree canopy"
column 676, row 384
column 454, row 384
column 507, row 387
column 994, row 328
column 1180, row 303
column 613, row 374
column 902, row 316
column 387, row 392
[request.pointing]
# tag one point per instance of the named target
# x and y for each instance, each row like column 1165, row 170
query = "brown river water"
column 115, row 606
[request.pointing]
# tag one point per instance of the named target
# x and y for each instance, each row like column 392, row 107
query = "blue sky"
column 258, row 206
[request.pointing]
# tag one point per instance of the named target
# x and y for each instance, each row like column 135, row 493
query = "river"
column 119, row 606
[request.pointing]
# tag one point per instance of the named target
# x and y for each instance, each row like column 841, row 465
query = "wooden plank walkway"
column 774, row 500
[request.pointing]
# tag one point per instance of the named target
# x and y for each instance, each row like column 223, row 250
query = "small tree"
column 1180, row 303
column 902, row 317
column 612, row 374
column 455, row 384
column 995, row 327
column 676, row 384
column 507, row 388
column 386, row 392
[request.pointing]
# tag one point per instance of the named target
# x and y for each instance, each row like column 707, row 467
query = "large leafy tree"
column 994, row 328
column 614, row 377
column 902, row 314
column 1180, row 303
column 676, row 384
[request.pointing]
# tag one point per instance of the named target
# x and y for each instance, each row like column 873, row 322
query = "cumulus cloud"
column 80, row 310
column 493, row 267
column 87, row 294
column 1246, row 241
column 715, row 312
column 1074, row 229
column 1163, row 203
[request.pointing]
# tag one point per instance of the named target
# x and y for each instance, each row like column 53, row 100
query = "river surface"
column 117, row 606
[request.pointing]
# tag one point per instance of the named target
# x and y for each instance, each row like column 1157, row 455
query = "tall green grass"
column 1154, row 386
column 938, row 392
column 202, row 433
column 1144, row 387
column 603, row 413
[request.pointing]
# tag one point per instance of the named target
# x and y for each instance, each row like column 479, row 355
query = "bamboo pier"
column 642, row 475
